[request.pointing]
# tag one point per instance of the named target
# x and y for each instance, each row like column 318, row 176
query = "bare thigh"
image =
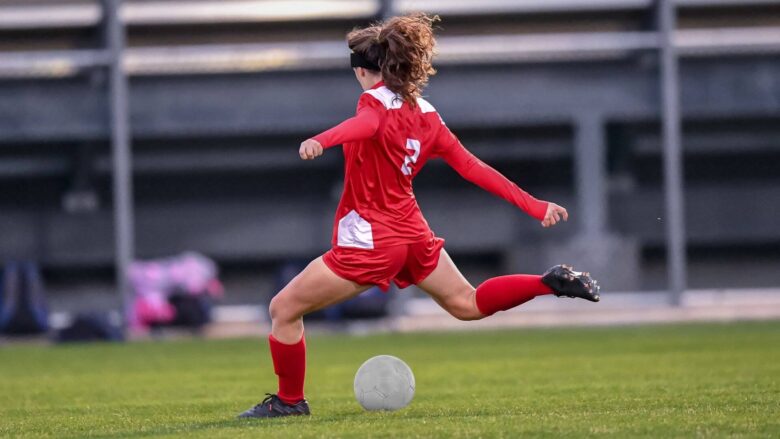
column 312, row 289
column 450, row 289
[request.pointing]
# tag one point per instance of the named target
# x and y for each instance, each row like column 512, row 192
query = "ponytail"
column 403, row 48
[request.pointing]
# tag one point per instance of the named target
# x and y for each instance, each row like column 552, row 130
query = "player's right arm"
column 362, row 126
column 483, row 175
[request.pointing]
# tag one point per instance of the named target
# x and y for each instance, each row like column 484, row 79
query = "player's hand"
column 554, row 215
column 310, row 149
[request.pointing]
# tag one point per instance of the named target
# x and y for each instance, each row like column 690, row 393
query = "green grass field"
column 665, row 381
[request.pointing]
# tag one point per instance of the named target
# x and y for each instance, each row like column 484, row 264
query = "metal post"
column 590, row 168
column 673, row 172
column 121, row 154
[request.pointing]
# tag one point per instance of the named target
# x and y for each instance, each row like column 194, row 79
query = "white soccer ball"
column 384, row 382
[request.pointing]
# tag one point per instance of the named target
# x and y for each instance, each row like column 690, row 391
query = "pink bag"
column 154, row 281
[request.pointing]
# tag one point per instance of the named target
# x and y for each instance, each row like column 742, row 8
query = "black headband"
column 358, row 60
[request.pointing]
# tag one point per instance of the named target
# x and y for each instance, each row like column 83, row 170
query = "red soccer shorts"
column 406, row 264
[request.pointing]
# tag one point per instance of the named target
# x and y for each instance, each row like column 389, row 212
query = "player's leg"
column 455, row 294
column 450, row 289
column 314, row 288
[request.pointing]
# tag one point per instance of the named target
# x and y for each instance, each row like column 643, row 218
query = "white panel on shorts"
column 355, row 232
column 390, row 100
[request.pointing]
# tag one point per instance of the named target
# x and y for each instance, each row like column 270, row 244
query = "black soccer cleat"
column 273, row 407
column 566, row 282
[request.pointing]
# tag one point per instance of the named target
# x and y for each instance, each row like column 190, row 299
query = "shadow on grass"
column 333, row 418
column 229, row 423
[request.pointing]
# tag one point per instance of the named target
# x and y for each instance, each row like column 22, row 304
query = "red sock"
column 290, row 367
column 506, row 292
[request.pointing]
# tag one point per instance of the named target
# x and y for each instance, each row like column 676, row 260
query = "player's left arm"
column 483, row 175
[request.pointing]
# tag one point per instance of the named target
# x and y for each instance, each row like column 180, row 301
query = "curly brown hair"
column 403, row 48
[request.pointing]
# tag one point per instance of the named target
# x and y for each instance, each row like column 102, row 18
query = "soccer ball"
column 384, row 382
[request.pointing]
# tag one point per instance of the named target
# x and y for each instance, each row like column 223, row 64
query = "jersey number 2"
column 410, row 160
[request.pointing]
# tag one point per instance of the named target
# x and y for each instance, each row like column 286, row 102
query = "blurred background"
column 145, row 129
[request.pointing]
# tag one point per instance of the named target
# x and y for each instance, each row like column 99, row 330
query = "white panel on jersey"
column 355, row 232
column 390, row 100
column 425, row 106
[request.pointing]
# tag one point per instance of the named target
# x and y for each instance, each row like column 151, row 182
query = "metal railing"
column 18, row 16
column 261, row 57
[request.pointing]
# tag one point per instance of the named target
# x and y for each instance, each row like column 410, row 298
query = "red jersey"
column 385, row 145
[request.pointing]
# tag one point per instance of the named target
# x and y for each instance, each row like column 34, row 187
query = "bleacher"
column 222, row 92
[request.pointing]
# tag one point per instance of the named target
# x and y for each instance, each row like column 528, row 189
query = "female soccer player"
column 380, row 235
